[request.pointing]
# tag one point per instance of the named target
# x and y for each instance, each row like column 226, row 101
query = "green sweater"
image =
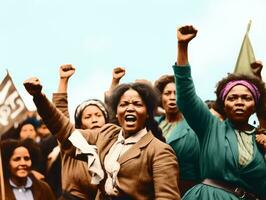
column 218, row 143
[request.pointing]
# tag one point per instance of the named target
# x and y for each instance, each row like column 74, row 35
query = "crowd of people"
column 145, row 141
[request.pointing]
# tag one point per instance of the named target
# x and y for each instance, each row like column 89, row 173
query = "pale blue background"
column 36, row 36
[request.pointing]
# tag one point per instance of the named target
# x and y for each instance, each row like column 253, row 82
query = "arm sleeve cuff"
column 182, row 71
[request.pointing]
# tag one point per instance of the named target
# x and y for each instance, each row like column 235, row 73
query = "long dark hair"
column 7, row 149
column 150, row 99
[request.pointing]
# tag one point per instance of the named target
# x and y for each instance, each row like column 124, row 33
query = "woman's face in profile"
column 20, row 163
column 131, row 112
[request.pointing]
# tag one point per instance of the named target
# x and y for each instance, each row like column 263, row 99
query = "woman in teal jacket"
column 178, row 134
column 231, row 162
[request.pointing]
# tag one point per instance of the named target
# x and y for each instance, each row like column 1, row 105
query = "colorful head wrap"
column 250, row 86
column 81, row 107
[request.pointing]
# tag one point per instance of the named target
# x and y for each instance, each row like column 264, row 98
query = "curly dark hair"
column 150, row 98
column 233, row 77
column 161, row 83
column 8, row 147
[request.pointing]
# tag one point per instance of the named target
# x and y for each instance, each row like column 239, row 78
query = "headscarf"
column 250, row 86
column 81, row 107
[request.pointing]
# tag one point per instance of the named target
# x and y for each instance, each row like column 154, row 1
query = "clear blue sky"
column 36, row 36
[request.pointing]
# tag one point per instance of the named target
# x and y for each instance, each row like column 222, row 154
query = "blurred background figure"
column 18, row 158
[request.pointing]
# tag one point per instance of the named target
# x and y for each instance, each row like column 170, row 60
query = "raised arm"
column 193, row 108
column 261, row 114
column 256, row 68
column 118, row 73
column 65, row 72
column 54, row 119
column 184, row 35
column 60, row 98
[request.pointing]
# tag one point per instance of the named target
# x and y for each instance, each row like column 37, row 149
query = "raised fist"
column 186, row 33
column 118, row 73
column 33, row 86
column 256, row 68
column 66, row 71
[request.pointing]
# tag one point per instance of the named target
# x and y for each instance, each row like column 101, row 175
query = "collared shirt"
column 22, row 192
column 110, row 162
column 128, row 142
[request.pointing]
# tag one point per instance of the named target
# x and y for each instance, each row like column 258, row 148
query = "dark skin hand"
column 261, row 141
column 33, row 86
column 256, row 68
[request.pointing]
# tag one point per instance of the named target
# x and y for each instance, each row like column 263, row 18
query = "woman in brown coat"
column 136, row 163
column 17, row 159
column 90, row 114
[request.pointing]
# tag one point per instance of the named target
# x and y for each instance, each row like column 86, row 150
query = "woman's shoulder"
column 158, row 145
column 41, row 189
column 110, row 126
column 109, row 129
column 40, row 185
column 37, row 182
column 160, row 153
column 106, row 130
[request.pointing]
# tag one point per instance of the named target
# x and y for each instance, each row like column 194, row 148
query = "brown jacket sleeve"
column 59, row 124
column 60, row 101
column 56, row 121
column 165, row 173
column 41, row 190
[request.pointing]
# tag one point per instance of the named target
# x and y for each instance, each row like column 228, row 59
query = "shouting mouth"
column 130, row 119
column 172, row 105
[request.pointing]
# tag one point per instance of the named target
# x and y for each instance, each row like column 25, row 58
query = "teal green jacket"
column 186, row 146
column 218, row 144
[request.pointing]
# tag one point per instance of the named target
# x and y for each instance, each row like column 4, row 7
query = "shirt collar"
column 27, row 186
column 133, row 138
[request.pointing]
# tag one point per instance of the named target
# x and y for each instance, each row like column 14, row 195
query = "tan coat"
column 75, row 175
column 148, row 170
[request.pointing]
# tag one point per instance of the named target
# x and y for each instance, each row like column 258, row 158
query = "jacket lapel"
column 232, row 141
column 9, row 195
column 178, row 131
column 107, row 143
column 136, row 149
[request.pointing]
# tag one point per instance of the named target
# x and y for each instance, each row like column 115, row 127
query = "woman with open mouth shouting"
column 136, row 162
